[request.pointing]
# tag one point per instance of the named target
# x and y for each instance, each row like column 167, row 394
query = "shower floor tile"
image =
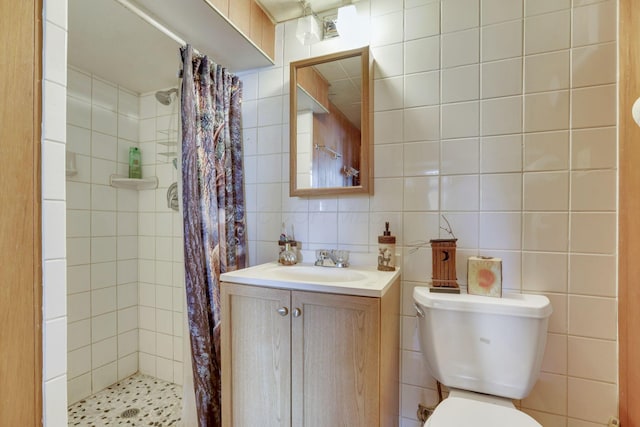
column 159, row 404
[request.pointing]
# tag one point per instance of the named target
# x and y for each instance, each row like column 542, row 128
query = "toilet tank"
column 483, row 344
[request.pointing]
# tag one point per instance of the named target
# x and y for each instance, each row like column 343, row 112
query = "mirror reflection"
column 330, row 124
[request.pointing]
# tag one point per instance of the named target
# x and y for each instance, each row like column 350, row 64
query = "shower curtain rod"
column 140, row 13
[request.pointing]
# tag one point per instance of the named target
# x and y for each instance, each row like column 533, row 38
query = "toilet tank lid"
column 511, row 304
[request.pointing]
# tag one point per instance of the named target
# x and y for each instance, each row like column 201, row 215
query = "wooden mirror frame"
column 366, row 137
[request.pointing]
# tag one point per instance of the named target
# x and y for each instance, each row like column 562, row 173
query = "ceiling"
column 111, row 42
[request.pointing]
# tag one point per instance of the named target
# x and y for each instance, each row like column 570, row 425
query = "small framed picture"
column 484, row 276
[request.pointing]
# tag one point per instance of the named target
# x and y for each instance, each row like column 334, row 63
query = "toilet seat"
column 465, row 409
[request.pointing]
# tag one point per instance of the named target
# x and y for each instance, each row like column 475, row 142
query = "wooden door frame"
column 20, row 218
column 629, row 216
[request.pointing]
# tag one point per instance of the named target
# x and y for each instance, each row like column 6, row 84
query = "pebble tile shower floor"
column 159, row 404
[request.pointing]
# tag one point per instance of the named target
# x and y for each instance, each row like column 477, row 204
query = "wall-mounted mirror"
column 331, row 123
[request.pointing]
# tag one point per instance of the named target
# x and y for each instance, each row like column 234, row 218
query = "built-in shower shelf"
column 133, row 183
column 169, row 154
column 168, row 143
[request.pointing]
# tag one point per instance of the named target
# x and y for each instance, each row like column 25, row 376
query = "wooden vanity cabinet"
column 306, row 359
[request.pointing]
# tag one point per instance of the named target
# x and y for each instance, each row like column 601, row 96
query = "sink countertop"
column 353, row 280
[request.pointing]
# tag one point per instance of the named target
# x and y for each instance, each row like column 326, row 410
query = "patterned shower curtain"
column 214, row 213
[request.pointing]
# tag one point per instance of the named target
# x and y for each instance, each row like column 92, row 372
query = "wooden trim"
column 20, row 225
column 390, row 356
column 629, row 220
column 366, row 157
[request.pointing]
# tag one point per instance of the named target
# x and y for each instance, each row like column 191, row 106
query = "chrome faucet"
column 332, row 258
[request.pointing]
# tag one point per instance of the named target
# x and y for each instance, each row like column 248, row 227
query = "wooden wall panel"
column 629, row 217
column 222, row 6
column 240, row 15
column 20, row 236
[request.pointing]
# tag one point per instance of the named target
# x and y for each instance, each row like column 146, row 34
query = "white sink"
column 320, row 274
column 352, row 280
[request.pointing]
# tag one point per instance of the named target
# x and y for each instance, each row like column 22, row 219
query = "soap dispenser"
column 386, row 250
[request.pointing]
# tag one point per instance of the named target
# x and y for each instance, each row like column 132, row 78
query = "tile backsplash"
column 501, row 115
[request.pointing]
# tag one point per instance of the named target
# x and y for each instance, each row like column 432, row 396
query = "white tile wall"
column 101, row 237
column 502, row 118
column 157, row 324
column 53, row 213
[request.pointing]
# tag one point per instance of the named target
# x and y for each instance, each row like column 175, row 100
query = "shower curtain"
column 214, row 213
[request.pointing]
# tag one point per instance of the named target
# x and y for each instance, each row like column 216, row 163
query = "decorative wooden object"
column 444, row 266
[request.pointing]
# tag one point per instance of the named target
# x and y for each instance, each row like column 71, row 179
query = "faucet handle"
column 321, row 255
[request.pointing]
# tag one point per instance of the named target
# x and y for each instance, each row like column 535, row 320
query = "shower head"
column 164, row 96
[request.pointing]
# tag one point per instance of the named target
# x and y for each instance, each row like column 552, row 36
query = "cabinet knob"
column 283, row 311
column 297, row 312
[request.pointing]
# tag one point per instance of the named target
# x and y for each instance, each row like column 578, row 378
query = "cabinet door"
column 334, row 360
column 256, row 348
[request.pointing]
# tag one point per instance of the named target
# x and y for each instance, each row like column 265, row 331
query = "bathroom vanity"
column 310, row 346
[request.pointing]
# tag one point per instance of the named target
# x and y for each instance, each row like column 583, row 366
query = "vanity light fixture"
column 307, row 27
column 347, row 20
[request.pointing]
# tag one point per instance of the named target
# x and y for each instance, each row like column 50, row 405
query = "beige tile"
column 596, row 23
column 593, row 233
column 593, row 359
column 460, row 156
column 460, row 15
column 592, row 317
column 573, row 422
column 547, row 71
column 548, row 395
column 501, row 116
column 544, row 272
column 546, row 191
column 594, row 107
column 547, row 420
column 389, row 93
column 421, row 89
column 465, row 226
column 547, row 33
column 421, row 124
column 501, row 231
column 493, row 11
column 501, row 154
column 421, row 158
column 558, row 322
column 460, row 120
column 422, row 21
column 555, row 355
column 388, row 195
column 416, row 265
column 501, row 192
column 388, row 160
column 386, row 127
column 389, row 61
column 459, row 193
column 546, row 151
column 460, row 48
column 592, row 401
column 415, row 370
column 594, row 148
column 388, row 29
column 593, row 190
column 545, row 232
column 410, row 333
column 422, row 54
column 421, row 193
column 501, row 41
column 460, row 84
column 546, row 111
column 412, row 396
column 592, row 275
column 502, row 78
column 536, row 7
column 594, row 65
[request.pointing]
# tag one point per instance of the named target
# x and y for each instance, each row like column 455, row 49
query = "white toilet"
column 487, row 351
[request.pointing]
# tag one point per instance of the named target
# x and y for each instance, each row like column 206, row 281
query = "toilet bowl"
column 465, row 409
column 487, row 351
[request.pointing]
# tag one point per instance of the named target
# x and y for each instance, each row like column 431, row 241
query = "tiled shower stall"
column 125, row 280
